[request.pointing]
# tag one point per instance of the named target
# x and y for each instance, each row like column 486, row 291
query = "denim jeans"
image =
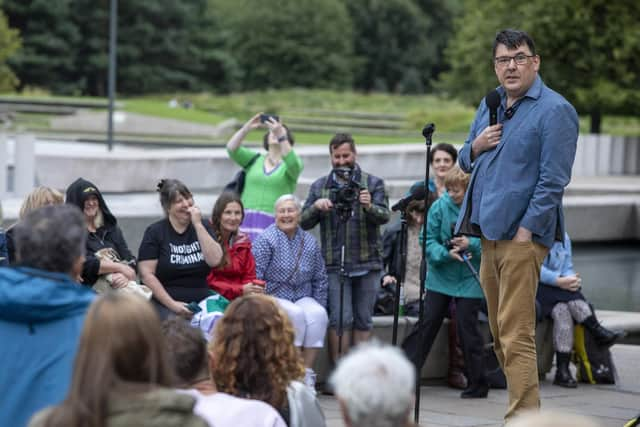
column 359, row 299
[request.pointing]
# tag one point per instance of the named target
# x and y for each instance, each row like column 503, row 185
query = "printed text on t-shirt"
column 185, row 254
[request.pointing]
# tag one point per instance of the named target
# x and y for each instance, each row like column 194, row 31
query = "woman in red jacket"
column 235, row 275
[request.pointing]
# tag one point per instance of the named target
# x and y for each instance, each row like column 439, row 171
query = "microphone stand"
column 400, row 274
column 342, row 224
column 465, row 258
column 427, row 132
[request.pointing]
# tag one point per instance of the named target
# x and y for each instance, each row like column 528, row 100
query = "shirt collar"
column 534, row 91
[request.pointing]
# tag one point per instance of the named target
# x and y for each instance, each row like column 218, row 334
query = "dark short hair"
column 341, row 138
column 186, row 349
column 265, row 138
column 447, row 148
column 169, row 190
column 513, row 39
column 51, row 238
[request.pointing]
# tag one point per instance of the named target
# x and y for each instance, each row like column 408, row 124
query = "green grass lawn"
column 407, row 113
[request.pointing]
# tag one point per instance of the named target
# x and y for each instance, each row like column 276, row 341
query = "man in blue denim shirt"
column 520, row 168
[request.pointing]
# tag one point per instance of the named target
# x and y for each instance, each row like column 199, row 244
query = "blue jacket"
column 445, row 274
column 41, row 317
column 521, row 182
column 558, row 263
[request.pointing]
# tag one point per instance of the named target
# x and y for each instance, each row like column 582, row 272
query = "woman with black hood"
column 104, row 238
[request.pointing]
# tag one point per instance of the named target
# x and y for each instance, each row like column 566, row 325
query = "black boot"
column 476, row 391
column 563, row 374
column 602, row 335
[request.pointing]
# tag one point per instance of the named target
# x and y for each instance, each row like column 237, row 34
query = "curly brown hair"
column 253, row 353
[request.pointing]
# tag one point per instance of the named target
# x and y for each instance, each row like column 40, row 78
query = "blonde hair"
column 456, row 177
column 39, row 197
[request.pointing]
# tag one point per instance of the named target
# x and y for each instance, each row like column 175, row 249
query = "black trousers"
column 417, row 344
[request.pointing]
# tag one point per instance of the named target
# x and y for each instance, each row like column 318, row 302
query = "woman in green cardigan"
column 270, row 175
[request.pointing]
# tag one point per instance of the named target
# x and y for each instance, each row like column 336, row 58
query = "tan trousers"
column 509, row 273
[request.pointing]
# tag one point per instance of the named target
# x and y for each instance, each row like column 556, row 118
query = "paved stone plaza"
column 610, row 405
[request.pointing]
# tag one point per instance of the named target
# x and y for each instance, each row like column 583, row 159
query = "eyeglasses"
column 520, row 59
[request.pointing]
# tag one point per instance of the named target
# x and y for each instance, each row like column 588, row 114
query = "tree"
column 9, row 44
column 47, row 58
column 468, row 53
column 590, row 51
column 390, row 40
column 163, row 46
column 288, row 43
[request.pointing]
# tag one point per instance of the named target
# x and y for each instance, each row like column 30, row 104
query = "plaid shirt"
column 363, row 246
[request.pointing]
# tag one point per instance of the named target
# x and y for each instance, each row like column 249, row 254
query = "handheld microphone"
column 493, row 102
column 419, row 193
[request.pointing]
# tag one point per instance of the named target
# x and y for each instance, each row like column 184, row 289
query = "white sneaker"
column 310, row 378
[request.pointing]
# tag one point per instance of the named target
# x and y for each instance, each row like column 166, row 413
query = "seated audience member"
column 560, row 298
column 109, row 262
column 177, row 253
column 271, row 174
column 253, row 356
column 187, row 353
column 449, row 278
column 551, row 419
column 289, row 260
column 391, row 255
column 375, row 385
column 40, row 196
column 121, row 376
column 234, row 276
column 41, row 311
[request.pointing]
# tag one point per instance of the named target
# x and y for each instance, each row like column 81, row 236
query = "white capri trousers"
column 309, row 321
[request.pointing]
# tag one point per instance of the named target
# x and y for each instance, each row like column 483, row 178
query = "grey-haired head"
column 51, row 238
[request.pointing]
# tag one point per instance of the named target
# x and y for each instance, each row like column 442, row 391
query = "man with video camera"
column 350, row 206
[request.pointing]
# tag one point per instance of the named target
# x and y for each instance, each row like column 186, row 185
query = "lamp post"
column 113, row 37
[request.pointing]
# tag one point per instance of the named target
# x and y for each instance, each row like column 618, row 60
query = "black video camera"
column 344, row 192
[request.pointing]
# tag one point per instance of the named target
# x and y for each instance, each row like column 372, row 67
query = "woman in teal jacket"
column 448, row 278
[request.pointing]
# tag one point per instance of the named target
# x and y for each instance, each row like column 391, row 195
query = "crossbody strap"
column 295, row 270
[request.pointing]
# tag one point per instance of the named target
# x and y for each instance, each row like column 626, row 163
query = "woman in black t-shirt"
column 177, row 252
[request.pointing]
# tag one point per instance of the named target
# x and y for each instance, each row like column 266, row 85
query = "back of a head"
column 50, row 238
column 375, row 384
column 39, row 197
column 186, row 350
column 124, row 330
column 551, row 419
column 121, row 351
column 253, row 350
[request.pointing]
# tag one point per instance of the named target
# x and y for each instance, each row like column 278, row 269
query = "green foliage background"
column 590, row 49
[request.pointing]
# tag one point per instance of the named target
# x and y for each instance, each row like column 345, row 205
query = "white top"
column 223, row 410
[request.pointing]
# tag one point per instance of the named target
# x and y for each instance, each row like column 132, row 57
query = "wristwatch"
column 282, row 138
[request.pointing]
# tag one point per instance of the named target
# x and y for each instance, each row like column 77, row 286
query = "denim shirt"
column 521, row 181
